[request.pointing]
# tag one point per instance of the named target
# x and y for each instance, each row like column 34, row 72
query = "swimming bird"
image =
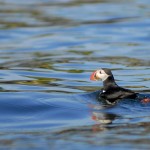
column 111, row 92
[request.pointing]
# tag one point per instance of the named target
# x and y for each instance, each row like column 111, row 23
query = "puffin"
column 111, row 92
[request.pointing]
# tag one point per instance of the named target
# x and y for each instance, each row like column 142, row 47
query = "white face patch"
column 100, row 74
column 103, row 91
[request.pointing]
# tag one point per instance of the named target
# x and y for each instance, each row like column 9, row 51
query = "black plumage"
column 111, row 91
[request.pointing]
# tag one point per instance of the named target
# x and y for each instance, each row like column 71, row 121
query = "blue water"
column 48, row 50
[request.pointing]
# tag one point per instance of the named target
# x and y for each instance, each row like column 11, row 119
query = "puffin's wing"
column 126, row 93
column 118, row 93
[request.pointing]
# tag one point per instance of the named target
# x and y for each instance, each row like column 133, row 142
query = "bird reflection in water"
column 100, row 117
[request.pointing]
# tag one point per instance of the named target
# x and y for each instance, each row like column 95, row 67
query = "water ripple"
column 48, row 49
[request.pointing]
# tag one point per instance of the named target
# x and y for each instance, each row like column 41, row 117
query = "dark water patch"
column 40, row 111
column 34, row 107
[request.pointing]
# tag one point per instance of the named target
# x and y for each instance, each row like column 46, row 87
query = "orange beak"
column 93, row 77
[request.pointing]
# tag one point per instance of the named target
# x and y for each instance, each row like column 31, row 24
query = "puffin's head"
column 101, row 74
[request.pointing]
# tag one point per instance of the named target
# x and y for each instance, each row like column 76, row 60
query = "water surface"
column 48, row 50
